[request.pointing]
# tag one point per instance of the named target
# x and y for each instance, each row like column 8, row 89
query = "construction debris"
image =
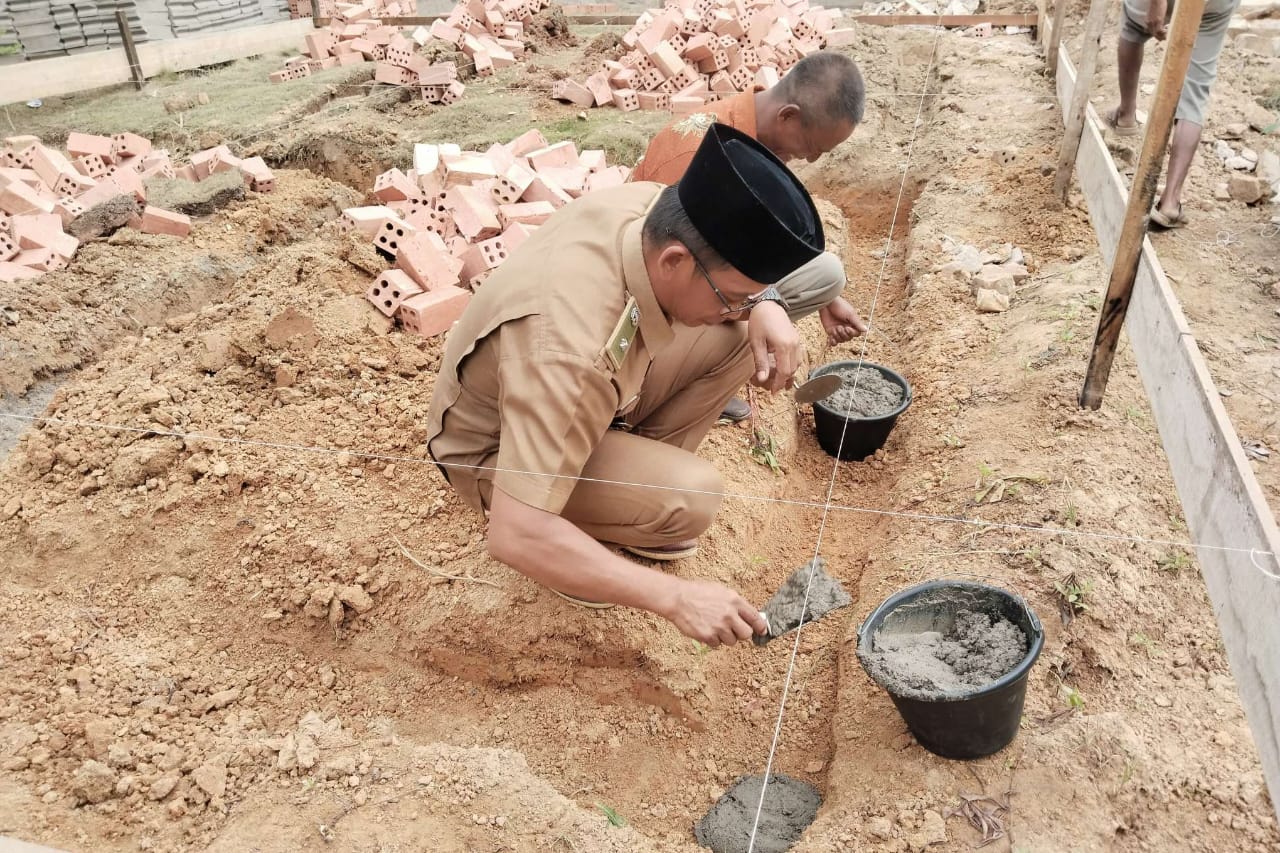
column 453, row 218
column 992, row 276
column 681, row 59
column 50, row 201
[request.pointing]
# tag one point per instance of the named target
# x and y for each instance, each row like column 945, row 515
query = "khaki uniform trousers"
column 670, row 494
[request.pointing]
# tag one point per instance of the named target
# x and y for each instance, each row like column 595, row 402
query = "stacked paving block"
column 457, row 215
column 692, row 52
column 44, row 190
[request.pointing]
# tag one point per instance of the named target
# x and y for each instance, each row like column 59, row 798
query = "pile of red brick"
column 490, row 32
column 43, row 191
column 457, row 215
column 692, row 52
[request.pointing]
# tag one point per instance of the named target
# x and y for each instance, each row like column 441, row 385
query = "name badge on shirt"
column 624, row 334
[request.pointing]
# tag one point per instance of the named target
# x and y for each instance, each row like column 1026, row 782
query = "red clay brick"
column 49, row 165
column 18, row 197
column 475, row 214
column 8, row 246
column 10, row 272
column 366, row 220
column 394, row 231
column 157, row 220
column 527, row 213
column 68, row 210
column 83, row 144
column 434, row 312
column 426, row 260
column 390, row 289
column 512, row 184
column 529, row 141
column 515, row 234
column 543, row 190
column 43, row 260
column 90, row 165
column 394, row 185
column 131, row 145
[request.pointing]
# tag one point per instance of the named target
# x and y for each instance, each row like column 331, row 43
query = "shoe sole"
column 582, row 602
column 661, row 556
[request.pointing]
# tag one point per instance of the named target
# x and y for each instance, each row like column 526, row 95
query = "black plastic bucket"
column 975, row 723
column 862, row 436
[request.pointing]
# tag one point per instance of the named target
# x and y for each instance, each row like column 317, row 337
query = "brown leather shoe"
column 663, row 553
column 736, row 411
column 582, row 602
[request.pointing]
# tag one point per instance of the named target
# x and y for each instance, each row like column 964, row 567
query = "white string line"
column 931, row 518
column 831, row 485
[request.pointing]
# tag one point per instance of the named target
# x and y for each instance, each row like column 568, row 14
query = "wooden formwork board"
column 1221, row 498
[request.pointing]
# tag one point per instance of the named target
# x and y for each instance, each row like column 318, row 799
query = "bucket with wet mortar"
column 852, row 437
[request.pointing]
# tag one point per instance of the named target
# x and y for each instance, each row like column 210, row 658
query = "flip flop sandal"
column 582, row 602
column 1120, row 129
column 1166, row 222
column 662, row 553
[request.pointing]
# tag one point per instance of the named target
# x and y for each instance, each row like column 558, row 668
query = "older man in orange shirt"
column 811, row 111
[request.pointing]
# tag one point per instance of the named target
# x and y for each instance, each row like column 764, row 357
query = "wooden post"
column 315, row 13
column 1080, row 99
column 1182, row 37
column 130, row 50
column 1055, row 37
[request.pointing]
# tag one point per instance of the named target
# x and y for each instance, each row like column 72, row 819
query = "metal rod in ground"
column 1055, row 37
column 1124, row 268
column 1080, row 98
column 130, row 51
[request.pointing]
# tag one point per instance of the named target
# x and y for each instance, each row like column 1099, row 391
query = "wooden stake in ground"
column 1182, row 37
column 1080, row 98
column 1055, row 37
column 130, row 50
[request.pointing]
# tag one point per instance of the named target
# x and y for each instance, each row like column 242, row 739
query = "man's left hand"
column 840, row 321
column 775, row 345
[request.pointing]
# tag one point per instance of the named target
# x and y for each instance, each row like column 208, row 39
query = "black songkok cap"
column 749, row 206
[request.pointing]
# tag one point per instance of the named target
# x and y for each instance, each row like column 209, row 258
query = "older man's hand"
column 775, row 345
column 840, row 321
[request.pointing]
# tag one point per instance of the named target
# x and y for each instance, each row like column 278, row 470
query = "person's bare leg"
column 1129, row 64
column 1182, row 149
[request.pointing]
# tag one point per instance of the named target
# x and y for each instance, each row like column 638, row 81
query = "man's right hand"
column 1156, row 23
column 712, row 613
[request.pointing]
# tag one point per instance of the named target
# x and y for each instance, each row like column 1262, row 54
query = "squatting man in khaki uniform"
column 600, row 353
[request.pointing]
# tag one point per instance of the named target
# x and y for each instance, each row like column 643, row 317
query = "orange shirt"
column 669, row 152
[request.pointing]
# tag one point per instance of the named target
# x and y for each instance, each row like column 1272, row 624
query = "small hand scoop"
column 818, row 388
column 783, row 610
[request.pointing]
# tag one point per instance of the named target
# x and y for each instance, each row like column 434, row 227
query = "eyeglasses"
column 746, row 304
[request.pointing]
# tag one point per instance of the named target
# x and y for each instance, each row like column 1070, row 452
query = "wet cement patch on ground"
column 790, row 805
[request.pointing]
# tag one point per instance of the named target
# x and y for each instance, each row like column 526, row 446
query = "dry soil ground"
column 231, row 632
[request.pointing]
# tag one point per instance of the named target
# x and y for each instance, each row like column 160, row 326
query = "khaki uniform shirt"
column 670, row 152
column 547, row 354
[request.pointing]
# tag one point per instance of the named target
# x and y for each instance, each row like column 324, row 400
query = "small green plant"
column 765, row 450
column 985, row 471
column 1142, row 641
column 614, row 818
column 1074, row 593
column 952, row 440
column 1070, row 516
column 1074, row 700
column 1067, row 335
column 700, row 648
column 1173, row 561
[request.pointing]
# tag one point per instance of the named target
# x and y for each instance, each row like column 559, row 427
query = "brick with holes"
column 258, row 175
column 366, row 220
column 130, row 145
column 90, row 165
column 43, row 231
column 525, row 213
column 572, row 92
column 571, row 179
column 8, row 246
column 452, row 93
column 50, row 165
column 467, row 169
column 394, row 185
column 390, row 289
column 130, row 182
column 653, row 101
column 512, row 184
column 544, row 190
column 434, row 312
column 82, row 144
column 68, row 210
column 527, row 142
column 389, row 237
column 44, row 260
column 598, row 85
column 72, row 184
column 613, row 176
column 438, row 74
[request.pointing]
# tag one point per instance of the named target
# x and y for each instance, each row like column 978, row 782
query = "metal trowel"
column 783, row 610
column 818, row 388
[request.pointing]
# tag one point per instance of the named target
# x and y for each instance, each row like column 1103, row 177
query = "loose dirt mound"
column 549, row 31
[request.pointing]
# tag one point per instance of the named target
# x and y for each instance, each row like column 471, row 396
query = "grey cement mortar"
column 31, row 403
column 931, row 665
column 196, row 199
column 103, row 219
column 790, row 805
column 783, row 610
column 865, row 394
